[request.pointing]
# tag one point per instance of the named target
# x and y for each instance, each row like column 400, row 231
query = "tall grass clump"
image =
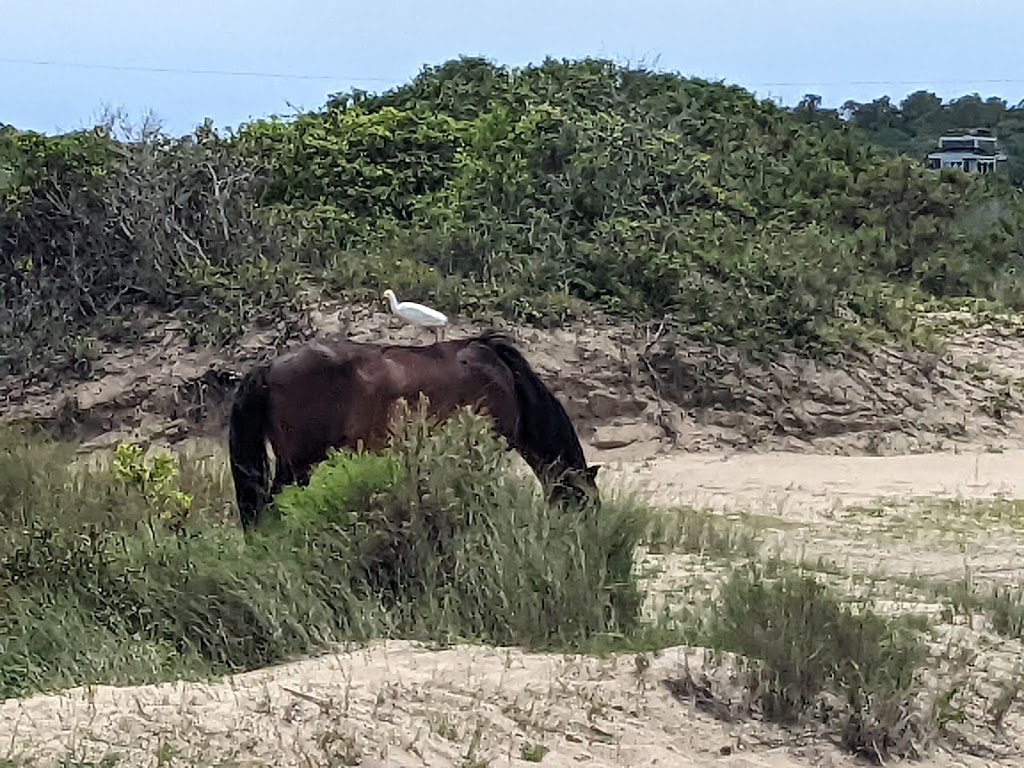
column 1001, row 605
column 460, row 546
column 436, row 538
column 813, row 657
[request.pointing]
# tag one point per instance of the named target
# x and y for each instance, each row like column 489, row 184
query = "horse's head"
column 576, row 486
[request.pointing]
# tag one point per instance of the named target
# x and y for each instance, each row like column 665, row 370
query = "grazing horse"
column 337, row 395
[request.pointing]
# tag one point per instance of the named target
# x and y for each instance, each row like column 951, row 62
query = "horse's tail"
column 247, row 444
column 545, row 428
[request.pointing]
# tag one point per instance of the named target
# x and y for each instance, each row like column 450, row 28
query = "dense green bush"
column 343, row 482
column 652, row 194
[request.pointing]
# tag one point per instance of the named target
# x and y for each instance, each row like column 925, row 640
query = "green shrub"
column 814, row 657
column 339, row 486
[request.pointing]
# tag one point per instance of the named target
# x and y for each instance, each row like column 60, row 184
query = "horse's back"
column 314, row 359
column 457, row 374
column 445, row 368
column 347, row 389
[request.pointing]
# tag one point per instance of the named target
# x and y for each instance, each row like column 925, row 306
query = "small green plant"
column 342, row 484
column 156, row 481
column 533, row 753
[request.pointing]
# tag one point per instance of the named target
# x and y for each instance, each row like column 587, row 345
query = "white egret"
column 417, row 314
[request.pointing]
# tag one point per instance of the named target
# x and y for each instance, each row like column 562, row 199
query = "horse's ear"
column 592, row 471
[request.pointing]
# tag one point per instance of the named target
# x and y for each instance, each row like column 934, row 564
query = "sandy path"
column 866, row 514
column 805, row 486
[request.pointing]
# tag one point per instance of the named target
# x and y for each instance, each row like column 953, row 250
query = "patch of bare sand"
column 398, row 704
column 622, row 384
column 867, row 514
column 808, row 487
column 877, row 523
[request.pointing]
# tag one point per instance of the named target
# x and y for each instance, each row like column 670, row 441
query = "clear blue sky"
column 842, row 49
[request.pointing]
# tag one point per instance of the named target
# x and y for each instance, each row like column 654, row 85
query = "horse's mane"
column 545, row 427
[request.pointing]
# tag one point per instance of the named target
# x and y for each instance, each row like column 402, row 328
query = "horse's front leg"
column 302, row 475
column 284, row 475
column 290, row 474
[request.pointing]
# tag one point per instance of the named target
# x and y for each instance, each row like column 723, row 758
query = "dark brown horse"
column 340, row 394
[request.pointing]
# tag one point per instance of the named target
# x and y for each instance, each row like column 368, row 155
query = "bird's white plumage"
column 416, row 314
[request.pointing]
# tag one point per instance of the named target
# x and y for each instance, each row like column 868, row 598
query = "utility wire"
column 848, row 83
column 184, row 70
column 358, row 78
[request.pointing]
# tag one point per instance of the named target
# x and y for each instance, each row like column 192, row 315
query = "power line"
column 337, row 77
column 186, row 70
column 835, row 84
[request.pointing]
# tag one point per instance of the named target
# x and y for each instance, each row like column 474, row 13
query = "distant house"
column 974, row 152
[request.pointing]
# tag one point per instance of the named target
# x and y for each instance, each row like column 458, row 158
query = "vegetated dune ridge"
column 399, row 704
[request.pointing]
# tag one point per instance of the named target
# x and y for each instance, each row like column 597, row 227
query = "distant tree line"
column 913, row 125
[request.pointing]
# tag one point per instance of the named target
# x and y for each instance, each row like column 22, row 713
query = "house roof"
column 967, row 151
column 967, row 137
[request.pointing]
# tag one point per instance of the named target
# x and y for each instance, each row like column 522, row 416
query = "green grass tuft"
column 813, row 657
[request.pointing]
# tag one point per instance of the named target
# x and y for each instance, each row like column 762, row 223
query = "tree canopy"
column 914, row 125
